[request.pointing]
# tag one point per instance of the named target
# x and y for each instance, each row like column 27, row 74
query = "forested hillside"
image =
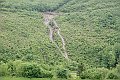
column 89, row 5
column 88, row 32
column 92, row 32
column 33, row 5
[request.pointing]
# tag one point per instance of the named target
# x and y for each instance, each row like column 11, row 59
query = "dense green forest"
column 90, row 28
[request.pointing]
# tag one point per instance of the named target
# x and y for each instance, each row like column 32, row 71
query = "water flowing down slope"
column 48, row 17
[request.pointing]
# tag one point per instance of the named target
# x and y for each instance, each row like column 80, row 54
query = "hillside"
column 89, row 5
column 33, row 5
column 81, row 38
column 89, row 32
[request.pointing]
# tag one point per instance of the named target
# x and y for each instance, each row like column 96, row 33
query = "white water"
column 47, row 18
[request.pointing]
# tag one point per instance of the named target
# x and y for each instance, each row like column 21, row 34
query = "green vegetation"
column 21, row 78
column 33, row 5
column 91, row 29
column 23, row 36
column 62, row 73
column 89, row 5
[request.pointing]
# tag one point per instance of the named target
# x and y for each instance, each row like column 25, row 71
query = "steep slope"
column 86, row 32
column 32, row 5
column 89, row 5
column 91, row 29
column 53, row 28
column 24, row 36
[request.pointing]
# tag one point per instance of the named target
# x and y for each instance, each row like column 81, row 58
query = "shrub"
column 112, row 75
column 117, row 52
column 28, row 57
column 72, row 66
column 3, row 69
column 118, row 68
column 11, row 69
column 80, row 69
column 32, row 70
column 95, row 73
column 62, row 73
column 47, row 74
column 24, row 69
column 109, row 59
